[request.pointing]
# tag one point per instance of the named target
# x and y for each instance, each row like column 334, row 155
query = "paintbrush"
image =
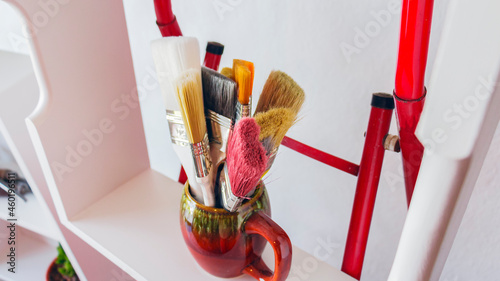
column 245, row 164
column 274, row 124
column 280, row 90
column 243, row 75
column 277, row 110
column 213, row 55
column 228, row 72
column 219, row 97
column 172, row 56
column 190, row 98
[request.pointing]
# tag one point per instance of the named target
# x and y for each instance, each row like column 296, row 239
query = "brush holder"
column 229, row 244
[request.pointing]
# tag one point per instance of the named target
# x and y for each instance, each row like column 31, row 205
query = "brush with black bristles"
column 190, row 97
column 243, row 76
column 277, row 110
column 172, row 56
column 219, row 97
column 219, row 93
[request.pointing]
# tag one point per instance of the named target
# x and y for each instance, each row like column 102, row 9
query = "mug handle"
column 261, row 224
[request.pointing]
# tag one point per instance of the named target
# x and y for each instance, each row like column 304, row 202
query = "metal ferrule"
column 243, row 110
column 201, row 158
column 177, row 130
column 271, row 157
column 230, row 201
column 219, row 127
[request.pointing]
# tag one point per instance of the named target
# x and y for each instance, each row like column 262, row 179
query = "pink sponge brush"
column 246, row 157
column 246, row 161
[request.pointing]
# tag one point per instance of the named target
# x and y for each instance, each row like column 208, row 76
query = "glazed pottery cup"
column 229, row 244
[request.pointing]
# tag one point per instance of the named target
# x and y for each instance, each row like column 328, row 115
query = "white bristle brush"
column 173, row 56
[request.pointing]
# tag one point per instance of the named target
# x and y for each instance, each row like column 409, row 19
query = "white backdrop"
column 339, row 52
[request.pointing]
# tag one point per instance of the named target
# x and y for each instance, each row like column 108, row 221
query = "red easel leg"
column 416, row 21
column 368, row 180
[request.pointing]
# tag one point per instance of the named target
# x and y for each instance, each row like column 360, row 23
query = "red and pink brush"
column 246, row 162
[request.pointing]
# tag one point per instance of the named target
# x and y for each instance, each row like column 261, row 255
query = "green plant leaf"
column 66, row 269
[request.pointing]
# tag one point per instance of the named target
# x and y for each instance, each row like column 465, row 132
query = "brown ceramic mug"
column 229, row 244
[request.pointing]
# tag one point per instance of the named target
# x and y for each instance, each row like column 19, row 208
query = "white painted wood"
column 34, row 254
column 457, row 126
column 21, row 96
column 87, row 88
column 22, row 100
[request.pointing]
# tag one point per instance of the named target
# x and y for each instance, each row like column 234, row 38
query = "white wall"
column 312, row 201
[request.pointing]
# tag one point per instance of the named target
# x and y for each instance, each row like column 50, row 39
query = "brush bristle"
column 219, row 92
column 268, row 144
column 172, row 56
column 274, row 124
column 190, row 98
column 280, row 90
column 243, row 75
column 228, row 72
column 246, row 157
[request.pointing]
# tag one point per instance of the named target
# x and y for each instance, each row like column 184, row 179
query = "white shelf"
column 19, row 89
column 21, row 94
column 137, row 227
column 34, row 254
column 30, row 215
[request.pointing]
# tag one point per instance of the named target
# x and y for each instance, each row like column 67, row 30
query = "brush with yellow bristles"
column 277, row 110
column 228, row 72
column 280, row 90
column 190, row 97
column 274, row 125
column 243, row 76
